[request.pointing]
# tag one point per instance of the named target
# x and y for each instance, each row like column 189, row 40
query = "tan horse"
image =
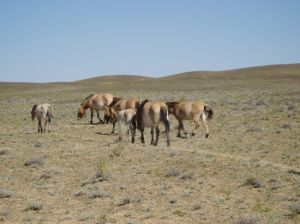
column 42, row 112
column 111, row 111
column 95, row 102
column 149, row 114
column 125, row 117
column 190, row 110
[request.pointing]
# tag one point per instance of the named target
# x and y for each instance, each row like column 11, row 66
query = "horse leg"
column 157, row 136
column 180, row 126
column 152, row 136
column 40, row 126
column 197, row 124
column 142, row 136
column 205, row 123
column 113, row 129
column 45, row 125
column 92, row 115
column 133, row 129
column 98, row 116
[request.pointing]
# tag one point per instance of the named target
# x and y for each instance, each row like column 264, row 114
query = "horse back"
column 101, row 100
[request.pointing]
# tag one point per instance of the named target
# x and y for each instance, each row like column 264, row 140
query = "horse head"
column 81, row 112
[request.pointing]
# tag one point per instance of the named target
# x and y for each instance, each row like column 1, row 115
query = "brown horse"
column 95, row 102
column 42, row 112
column 111, row 111
column 149, row 114
column 190, row 110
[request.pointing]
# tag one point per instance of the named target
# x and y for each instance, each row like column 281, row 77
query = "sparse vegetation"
column 79, row 171
column 102, row 169
column 35, row 206
column 253, row 182
column 34, row 162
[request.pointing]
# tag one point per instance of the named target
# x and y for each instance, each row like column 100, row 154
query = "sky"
column 69, row 40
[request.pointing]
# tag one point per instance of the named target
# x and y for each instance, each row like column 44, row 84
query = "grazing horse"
column 149, row 114
column 95, row 102
column 111, row 111
column 190, row 110
column 42, row 112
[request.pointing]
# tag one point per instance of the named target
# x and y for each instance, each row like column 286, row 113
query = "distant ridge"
column 266, row 70
column 284, row 71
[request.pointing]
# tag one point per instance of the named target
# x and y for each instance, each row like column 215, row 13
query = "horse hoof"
column 193, row 134
column 206, row 135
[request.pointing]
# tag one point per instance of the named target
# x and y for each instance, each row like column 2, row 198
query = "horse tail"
column 209, row 112
column 164, row 117
column 49, row 114
column 139, row 113
column 33, row 112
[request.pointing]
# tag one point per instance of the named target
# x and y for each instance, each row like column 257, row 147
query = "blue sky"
column 60, row 40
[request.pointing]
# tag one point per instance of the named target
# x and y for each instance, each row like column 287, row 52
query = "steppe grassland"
column 247, row 171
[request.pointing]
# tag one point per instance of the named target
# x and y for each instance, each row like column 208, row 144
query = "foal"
column 42, row 112
column 191, row 110
column 149, row 114
column 111, row 111
column 125, row 117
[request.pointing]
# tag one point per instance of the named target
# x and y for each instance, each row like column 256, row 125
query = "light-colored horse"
column 42, row 112
column 95, row 102
column 191, row 110
column 125, row 117
column 149, row 114
column 111, row 111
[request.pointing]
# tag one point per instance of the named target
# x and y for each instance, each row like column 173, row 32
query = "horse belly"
column 98, row 105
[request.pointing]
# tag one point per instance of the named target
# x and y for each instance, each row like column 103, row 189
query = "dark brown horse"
column 149, row 114
column 95, row 102
column 191, row 110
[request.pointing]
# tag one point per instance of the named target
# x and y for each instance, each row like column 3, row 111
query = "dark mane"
column 139, row 111
column 115, row 100
column 171, row 104
column 88, row 97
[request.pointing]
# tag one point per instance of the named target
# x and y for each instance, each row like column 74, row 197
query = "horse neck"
column 86, row 104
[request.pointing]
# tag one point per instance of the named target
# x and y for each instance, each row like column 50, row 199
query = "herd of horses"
column 134, row 114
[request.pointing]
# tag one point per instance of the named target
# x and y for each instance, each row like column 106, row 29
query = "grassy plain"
column 247, row 171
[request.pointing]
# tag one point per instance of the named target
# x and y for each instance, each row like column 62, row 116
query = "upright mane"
column 172, row 104
column 115, row 100
column 87, row 98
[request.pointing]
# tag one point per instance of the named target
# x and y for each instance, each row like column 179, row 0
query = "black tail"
column 209, row 112
column 49, row 115
column 164, row 117
column 139, row 111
